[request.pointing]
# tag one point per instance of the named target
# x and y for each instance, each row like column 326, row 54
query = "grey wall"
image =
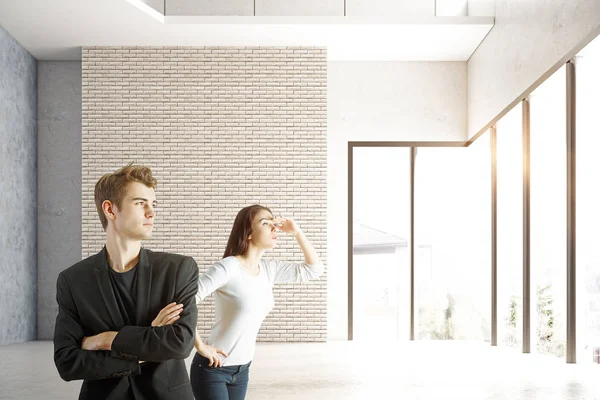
column 59, row 181
column 18, row 192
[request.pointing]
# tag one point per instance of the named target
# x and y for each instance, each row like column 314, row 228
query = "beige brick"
column 222, row 127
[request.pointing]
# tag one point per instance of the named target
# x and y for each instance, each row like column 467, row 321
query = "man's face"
column 135, row 219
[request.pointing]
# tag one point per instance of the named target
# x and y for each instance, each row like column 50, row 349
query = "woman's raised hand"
column 286, row 225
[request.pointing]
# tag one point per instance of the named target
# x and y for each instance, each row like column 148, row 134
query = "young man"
column 105, row 332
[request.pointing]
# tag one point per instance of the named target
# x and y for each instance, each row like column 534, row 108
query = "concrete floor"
column 349, row 370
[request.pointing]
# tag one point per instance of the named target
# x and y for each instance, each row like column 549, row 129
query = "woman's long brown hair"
column 241, row 230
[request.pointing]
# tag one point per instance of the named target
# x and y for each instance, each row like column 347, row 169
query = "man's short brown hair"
column 113, row 186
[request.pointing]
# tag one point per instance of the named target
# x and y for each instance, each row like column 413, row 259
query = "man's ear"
column 108, row 208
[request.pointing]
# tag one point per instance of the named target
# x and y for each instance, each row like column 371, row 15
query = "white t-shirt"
column 242, row 301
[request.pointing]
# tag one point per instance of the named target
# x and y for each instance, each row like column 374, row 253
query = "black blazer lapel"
column 144, row 287
column 101, row 271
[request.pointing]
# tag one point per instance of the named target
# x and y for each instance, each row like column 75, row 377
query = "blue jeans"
column 225, row 383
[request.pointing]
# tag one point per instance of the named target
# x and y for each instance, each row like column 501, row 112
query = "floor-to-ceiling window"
column 452, row 229
column 510, row 228
column 588, row 205
column 381, row 243
column 452, row 263
column 478, row 234
column 548, row 252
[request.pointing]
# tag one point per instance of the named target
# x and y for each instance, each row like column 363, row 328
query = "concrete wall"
column 530, row 41
column 59, row 181
column 18, row 189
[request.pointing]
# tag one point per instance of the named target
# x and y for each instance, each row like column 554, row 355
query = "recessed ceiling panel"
column 390, row 8
column 300, row 7
column 210, row 7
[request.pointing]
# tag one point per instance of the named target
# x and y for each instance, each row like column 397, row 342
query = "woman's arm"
column 214, row 278
column 289, row 272
column 289, row 226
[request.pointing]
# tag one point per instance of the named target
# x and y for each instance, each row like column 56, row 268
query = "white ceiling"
column 56, row 30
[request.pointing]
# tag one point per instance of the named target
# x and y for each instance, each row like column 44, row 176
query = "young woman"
column 242, row 283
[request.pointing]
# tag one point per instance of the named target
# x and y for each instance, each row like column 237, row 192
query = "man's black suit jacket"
column 87, row 306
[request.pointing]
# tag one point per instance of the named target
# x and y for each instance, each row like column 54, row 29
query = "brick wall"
column 222, row 128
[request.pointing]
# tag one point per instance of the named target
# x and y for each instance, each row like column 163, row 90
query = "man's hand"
column 168, row 315
column 101, row 341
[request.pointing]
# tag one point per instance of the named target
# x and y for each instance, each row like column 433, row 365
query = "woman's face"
column 264, row 233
